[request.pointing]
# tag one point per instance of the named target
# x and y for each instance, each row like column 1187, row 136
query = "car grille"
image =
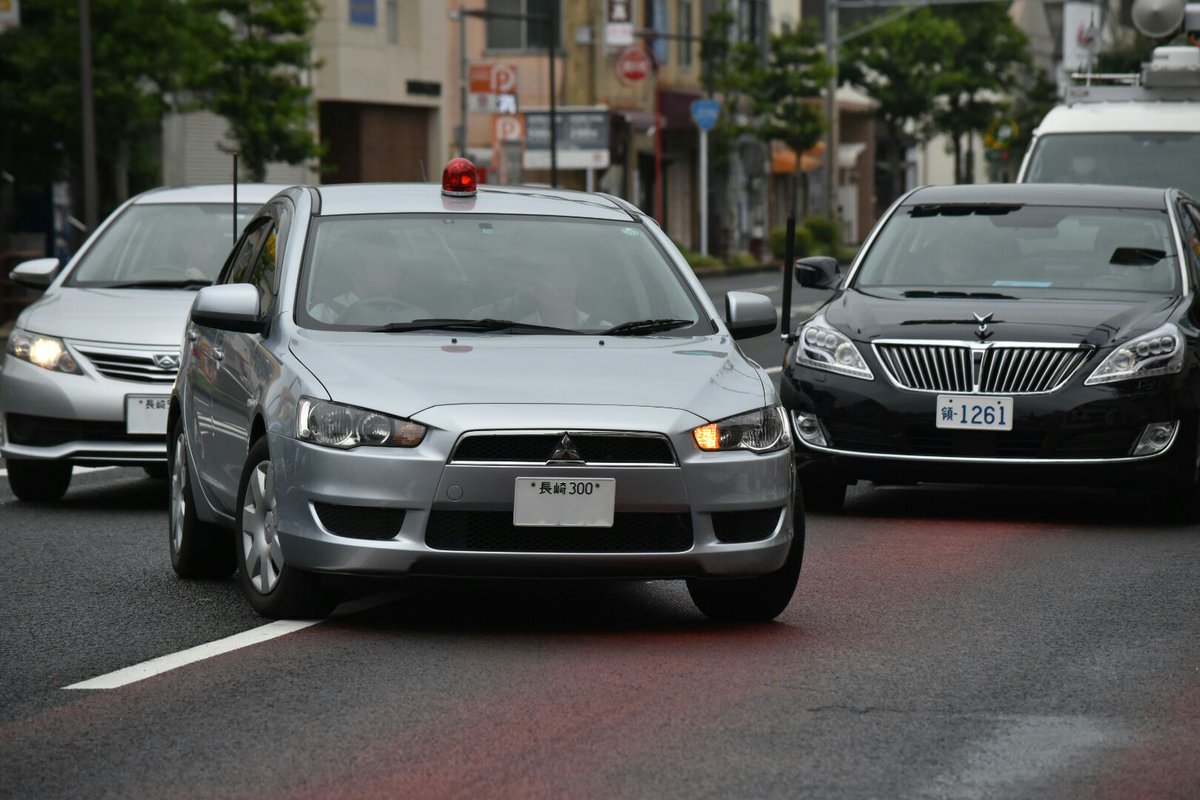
column 979, row 369
column 358, row 522
column 493, row 531
column 539, row 448
column 928, row 440
column 25, row 429
column 131, row 365
column 745, row 526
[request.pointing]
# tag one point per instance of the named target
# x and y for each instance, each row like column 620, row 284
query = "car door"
column 245, row 363
column 205, row 378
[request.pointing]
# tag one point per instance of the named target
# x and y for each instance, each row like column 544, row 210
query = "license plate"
column 561, row 502
column 146, row 413
column 973, row 412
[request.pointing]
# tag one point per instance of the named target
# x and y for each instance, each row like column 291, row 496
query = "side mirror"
column 820, row 272
column 229, row 307
column 36, row 274
column 748, row 314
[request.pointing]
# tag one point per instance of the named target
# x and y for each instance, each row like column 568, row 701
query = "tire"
column 823, row 494
column 198, row 549
column 35, row 481
column 275, row 589
column 157, row 472
column 759, row 599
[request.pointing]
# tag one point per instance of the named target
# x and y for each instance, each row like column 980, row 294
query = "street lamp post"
column 91, row 194
column 551, row 21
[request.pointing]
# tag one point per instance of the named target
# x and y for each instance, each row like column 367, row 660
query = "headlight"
column 336, row 425
column 1159, row 352
column 47, row 352
column 760, row 431
column 823, row 347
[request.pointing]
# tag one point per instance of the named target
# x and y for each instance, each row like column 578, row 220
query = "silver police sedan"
column 89, row 366
column 469, row 381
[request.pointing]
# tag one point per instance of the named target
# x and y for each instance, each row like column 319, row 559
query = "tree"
column 902, row 66
column 258, row 82
column 989, row 60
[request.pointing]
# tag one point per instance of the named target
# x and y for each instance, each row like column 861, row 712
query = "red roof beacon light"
column 459, row 179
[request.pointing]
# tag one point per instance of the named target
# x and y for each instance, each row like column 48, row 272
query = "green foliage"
column 697, row 260
column 258, row 82
column 1125, row 56
column 803, row 239
column 743, row 260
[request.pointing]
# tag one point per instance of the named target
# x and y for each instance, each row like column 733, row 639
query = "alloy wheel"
column 261, row 551
column 178, row 492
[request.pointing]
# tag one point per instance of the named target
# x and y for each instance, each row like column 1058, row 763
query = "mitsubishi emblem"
column 566, row 452
column 982, row 331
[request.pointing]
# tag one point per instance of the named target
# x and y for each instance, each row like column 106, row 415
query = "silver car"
column 89, row 366
column 424, row 380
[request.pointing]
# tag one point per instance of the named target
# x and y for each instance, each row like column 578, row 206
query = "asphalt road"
column 956, row 642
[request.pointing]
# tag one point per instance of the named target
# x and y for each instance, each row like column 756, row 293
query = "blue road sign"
column 705, row 113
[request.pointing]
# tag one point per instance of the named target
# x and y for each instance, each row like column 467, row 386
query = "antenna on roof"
column 235, row 230
column 424, row 177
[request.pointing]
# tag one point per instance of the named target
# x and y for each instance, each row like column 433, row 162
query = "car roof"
column 1044, row 194
column 213, row 193
column 1122, row 117
column 416, row 198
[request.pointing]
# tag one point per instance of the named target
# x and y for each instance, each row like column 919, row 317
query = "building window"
column 522, row 34
column 392, row 14
column 654, row 17
column 749, row 20
column 685, row 30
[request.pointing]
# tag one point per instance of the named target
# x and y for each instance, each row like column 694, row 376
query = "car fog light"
column 809, row 429
column 1156, row 437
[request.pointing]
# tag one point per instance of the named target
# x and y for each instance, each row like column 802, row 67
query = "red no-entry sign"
column 634, row 65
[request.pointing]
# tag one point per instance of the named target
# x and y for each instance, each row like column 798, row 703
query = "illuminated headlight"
column 1156, row 437
column 47, row 352
column 823, row 347
column 1159, row 352
column 336, row 425
column 759, row 431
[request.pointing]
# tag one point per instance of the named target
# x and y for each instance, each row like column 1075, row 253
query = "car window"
column 1148, row 158
column 1019, row 247
column 583, row 275
column 160, row 242
column 1190, row 223
column 242, row 261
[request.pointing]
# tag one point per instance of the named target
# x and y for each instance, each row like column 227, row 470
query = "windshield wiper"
column 185, row 283
column 469, row 325
column 645, row 327
column 973, row 295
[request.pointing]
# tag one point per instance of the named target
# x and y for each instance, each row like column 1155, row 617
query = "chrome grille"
column 131, row 365
column 968, row 368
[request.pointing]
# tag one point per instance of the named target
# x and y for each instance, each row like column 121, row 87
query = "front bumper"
column 1078, row 435
column 422, row 485
column 77, row 418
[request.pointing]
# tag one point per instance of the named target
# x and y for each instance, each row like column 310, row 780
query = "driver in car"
column 374, row 272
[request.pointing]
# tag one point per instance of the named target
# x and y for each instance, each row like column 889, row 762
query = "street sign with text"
column 705, row 113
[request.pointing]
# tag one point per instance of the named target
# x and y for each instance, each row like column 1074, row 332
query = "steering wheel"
column 404, row 308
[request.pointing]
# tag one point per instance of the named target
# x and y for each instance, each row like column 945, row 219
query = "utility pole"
column 831, row 113
column 91, row 194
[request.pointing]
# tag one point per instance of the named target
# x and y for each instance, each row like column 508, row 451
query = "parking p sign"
column 705, row 113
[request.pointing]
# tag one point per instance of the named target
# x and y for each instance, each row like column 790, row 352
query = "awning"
column 848, row 153
column 783, row 158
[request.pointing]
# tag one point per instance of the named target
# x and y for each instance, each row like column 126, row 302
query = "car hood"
column 405, row 374
column 117, row 316
column 1097, row 322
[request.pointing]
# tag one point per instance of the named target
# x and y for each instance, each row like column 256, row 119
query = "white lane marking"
column 77, row 469
column 263, row 633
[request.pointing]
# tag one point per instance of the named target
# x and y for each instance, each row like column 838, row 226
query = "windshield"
column 1156, row 160
column 501, row 273
column 161, row 244
column 943, row 250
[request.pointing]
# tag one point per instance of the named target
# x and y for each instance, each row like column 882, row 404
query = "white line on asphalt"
column 263, row 633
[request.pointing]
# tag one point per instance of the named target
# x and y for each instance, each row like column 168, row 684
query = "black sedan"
column 1029, row 334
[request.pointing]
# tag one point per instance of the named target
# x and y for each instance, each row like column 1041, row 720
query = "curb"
column 726, row 271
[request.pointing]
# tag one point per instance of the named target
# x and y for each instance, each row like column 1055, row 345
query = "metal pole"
column 91, row 202
column 658, row 145
column 235, row 208
column 703, row 192
column 462, row 75
column 553, row 107
column 831, row 111
column 590, row 179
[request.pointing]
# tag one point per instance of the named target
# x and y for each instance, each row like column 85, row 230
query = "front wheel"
column 198, row 549
column 38, row 481
column 759, row 599
column 274, row 588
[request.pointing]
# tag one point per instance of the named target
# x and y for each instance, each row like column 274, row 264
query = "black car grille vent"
column 540, row 448
column 359, row 522
column 493, row 531
column 980, row 369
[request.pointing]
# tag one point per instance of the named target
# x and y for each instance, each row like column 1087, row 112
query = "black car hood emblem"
column 565, row 452
column 982, row 331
